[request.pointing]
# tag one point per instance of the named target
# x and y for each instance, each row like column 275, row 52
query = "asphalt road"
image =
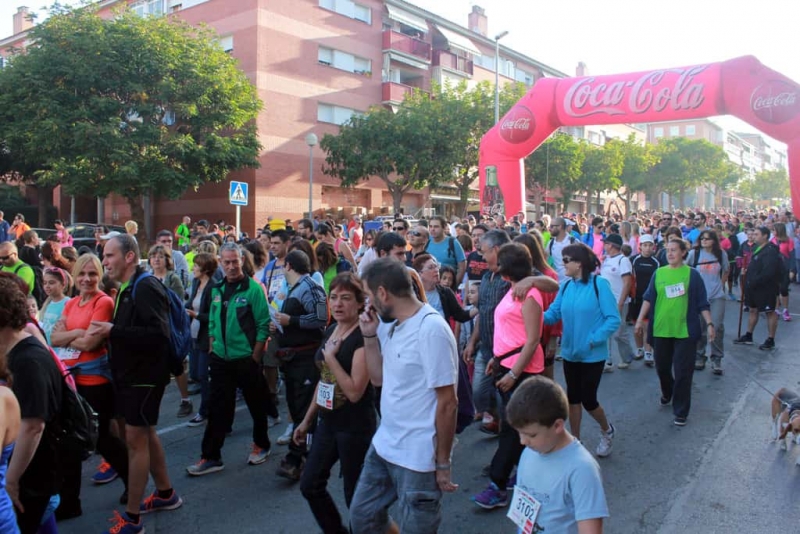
column 719, row 474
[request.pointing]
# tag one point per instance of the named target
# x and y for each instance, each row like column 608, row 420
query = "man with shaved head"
column 9, row 258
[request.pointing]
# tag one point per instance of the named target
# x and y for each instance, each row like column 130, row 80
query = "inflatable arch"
column 741, row 87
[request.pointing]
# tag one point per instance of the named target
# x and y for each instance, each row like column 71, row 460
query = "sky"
column 619, row 36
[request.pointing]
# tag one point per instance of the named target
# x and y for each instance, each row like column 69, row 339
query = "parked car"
column 83, row 233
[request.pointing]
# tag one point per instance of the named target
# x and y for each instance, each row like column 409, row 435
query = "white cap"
column 109, row 235
column 646, row 238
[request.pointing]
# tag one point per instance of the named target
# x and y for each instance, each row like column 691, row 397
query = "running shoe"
column 197, row 420
column 663, row 401
column 768, row 344
column 606, row 442
column 205, row 467
column 679, row 421
column 731, row 297
column 609, row 367
column 492, row 497
column 124, row 525
column 105, row 474
column 185, row 409
column 286, row 437
column 700, row 364
column 154, row 503
column 649, row 361
column 290, row 470
column 746, row 339
column 257, row 455
column 623, row 365
column 786, row 315
column 491, row 428
column 716, row 366
column 639, row 354
column 274, row 421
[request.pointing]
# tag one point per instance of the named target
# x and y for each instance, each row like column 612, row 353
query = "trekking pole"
column 741, row 303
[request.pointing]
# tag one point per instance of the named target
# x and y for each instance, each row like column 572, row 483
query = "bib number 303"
column 325, row 395
column 524, row 510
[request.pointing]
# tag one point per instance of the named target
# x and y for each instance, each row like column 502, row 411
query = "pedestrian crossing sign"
column 238, row 193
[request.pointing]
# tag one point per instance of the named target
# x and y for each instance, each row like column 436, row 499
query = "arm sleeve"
column 26, row 273
column 152, row 317
column 698, row 291
column 650, row 292
column 453, row 308
column 588, row 495
column 316, row 307
column 609, row 311
column 437, row 340
column 104, row 310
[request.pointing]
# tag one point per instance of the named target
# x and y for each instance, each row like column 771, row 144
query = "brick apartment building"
column 315, row 63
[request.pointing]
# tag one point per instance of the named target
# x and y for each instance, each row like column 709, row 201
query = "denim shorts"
column 381, row 484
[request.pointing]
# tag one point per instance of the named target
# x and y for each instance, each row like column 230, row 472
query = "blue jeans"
column 484, row 392
column 381, row 484
column 198, row 371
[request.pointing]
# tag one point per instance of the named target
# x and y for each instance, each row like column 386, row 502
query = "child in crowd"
column 556, row 474
column 465, row 329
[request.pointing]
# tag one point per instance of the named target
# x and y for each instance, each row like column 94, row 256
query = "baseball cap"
column 615, row 239
column 646, row 238
column 110, row 235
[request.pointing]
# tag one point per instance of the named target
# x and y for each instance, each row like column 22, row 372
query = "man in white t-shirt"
column 616, row 268
column 411, row 352
column 559, row 239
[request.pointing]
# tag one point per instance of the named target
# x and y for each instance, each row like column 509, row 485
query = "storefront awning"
column 409, row 19
column 459, row 41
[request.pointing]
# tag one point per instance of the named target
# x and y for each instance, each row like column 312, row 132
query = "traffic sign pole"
column 238, row 221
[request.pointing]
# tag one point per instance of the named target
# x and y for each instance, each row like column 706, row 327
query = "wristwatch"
column 512, row 375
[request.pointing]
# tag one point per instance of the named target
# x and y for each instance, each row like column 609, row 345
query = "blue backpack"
column 180, row 335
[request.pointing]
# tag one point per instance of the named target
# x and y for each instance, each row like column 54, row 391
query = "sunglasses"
column 706, row 238
column 567, row 259
column 4, row 258
column 398, row 228
column 415, row 233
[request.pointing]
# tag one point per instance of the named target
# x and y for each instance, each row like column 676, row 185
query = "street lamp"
column 311, row 141
column 497, row 75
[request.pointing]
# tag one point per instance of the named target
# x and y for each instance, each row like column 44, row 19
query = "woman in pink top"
column 517, row 356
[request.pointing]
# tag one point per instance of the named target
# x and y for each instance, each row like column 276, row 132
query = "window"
column 335, row 114
column 690, row 129
column 344, row 61
column 153, row 8
column 348, row 8
column 674, row 131
column 658, row 132
column 226, row 43
column 524, row 77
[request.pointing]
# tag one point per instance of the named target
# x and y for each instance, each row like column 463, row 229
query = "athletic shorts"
column 763, row 300
column 139, row 405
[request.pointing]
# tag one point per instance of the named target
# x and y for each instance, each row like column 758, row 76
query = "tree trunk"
column 137, row 214
column 397, row 198
column 44, row 194
column 598, row 199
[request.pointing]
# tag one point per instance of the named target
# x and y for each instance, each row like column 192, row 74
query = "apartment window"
column 690, row 129
column 524, row 77
column 348, row 9
column 153, row 8
column 335, row 114
column 674, row 131
column 226, row 43
column 344, row 61
column 658, row 132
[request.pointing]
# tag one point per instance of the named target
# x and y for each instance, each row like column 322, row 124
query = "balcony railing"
column 397, row 92
column 393, row 40
column 448, row 60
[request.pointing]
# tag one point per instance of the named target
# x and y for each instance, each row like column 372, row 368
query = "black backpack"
column 38, row 283
column 78, row 425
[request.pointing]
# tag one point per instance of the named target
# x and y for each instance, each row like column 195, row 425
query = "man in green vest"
column 182, row 233
column 9, row 257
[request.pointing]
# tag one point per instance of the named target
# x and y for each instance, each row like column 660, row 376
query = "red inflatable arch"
column 741, row 87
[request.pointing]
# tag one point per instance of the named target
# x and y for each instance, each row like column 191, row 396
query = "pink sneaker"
column 786, row 315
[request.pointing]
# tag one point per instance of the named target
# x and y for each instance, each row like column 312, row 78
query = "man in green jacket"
column 238, row 326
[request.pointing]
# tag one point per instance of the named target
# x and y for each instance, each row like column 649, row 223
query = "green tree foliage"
column 556, row 163
column 409, row 149
column 766, row 185
column 601, row 169
column 127, row 105
column 638, row 159
column 687, row 163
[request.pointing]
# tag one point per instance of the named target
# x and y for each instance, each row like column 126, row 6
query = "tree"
column 128, row 105
column 767, row 185
column 601, row 169
column 407, row 150
column 637, row 161
column 557, row 162
column 687, row 163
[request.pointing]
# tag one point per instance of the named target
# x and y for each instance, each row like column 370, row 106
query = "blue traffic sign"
column 238, row 193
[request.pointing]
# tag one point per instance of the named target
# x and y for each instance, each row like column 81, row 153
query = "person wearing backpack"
column 238, row 322
column 86, row 356
column 33, row 471
column 708, row 258
column 446, row 249
column 141, row 346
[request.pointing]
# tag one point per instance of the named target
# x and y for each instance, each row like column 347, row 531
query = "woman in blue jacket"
column 673, row 303
column 589, row 313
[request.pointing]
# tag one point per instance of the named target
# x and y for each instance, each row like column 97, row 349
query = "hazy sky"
column 617, row 36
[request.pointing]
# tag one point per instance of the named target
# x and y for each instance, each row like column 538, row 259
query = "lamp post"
column 497, row 75
column 311, row 141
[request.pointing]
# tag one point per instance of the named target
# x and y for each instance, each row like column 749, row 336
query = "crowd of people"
column 383, row 345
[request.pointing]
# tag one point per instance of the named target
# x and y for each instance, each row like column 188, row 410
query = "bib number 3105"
column 325, row 395
column 524, row 510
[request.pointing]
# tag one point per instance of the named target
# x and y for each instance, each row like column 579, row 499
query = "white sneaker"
column 649, row 361
column 606, row 442
column 639, row 353
column 623, row 365
column 274, row 421
column 286, row 437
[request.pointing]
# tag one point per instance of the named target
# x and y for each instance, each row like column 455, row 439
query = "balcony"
column 397, row 42
column 395, row 93
column 450, row 61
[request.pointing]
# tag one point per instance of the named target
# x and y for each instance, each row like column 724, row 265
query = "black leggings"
column 583, row 379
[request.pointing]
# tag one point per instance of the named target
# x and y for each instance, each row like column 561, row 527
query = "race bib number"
column 675, row 290
column 325, row 395
column 66, row 353
column 524, row 510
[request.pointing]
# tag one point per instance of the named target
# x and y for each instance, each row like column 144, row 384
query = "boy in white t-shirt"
column 556, row 474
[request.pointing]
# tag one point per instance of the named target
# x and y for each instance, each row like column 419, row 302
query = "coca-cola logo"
column 518, row 125
column 775, row 101
column 652, row 91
